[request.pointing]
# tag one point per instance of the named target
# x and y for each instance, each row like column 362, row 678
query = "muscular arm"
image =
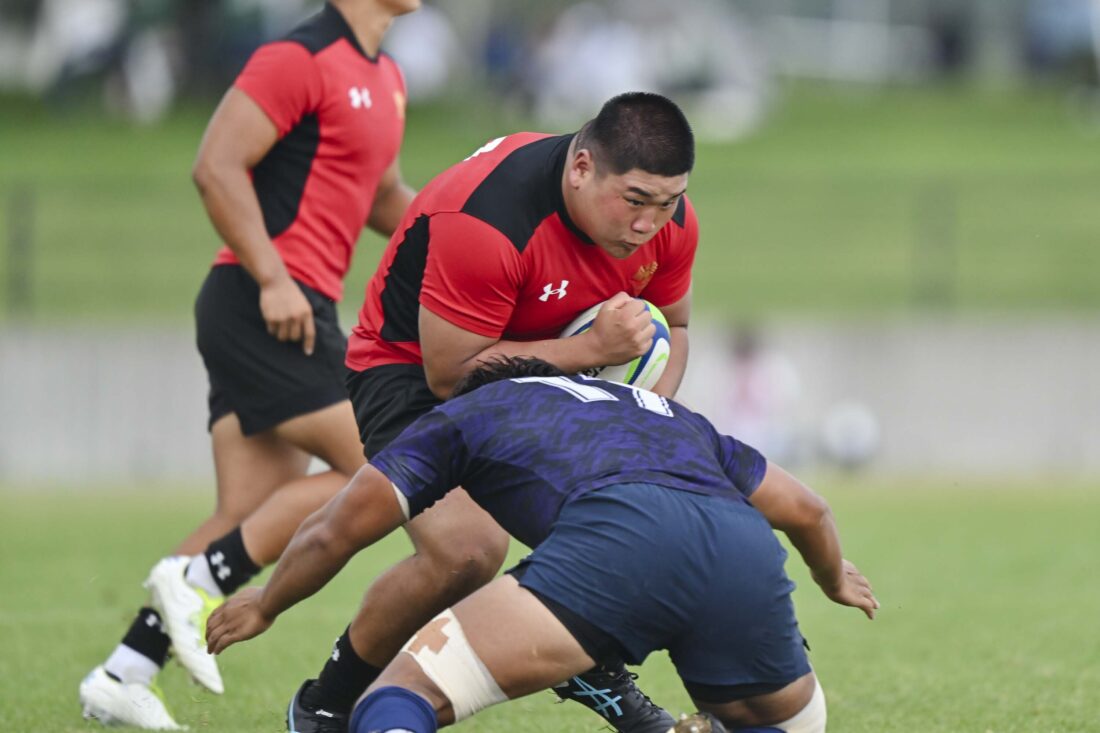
column 390, row 201
column 363, row 513
column 677, row 316
column 622, row 331
column 791, row 507
column 238, row 136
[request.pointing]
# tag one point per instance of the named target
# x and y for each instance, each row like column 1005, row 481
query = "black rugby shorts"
column 263, row 380
column 387, row 399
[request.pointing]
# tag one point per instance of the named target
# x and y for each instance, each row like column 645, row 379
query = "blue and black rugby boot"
column 610, row 691
column 301, row 718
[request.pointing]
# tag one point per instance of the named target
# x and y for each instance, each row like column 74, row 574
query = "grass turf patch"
column 985, row 625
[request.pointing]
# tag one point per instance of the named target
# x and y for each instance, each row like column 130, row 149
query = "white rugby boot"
column 111, row 702
column 184, row 610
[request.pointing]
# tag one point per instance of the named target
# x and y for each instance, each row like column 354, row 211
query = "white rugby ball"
column 642, row 372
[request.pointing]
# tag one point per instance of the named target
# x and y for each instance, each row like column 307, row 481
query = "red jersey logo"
column 645, row 274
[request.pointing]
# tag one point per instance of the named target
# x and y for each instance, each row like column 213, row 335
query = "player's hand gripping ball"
column 643, row 371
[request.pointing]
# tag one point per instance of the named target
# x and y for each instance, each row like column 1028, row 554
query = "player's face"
column 621, row 212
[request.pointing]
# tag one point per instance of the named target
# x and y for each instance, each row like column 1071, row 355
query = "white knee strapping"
column 443, row 652
column 811, row 719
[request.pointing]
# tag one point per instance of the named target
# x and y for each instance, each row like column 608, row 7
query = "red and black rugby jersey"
column 340, row 116
column 488, row 246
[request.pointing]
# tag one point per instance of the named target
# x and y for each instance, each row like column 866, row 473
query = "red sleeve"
column 675, row 258
column 473, row 274
column 282, row 78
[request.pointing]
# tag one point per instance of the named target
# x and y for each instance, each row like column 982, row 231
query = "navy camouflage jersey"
column 522, row 448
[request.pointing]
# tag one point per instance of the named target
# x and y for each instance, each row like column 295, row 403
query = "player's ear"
column 581, row 168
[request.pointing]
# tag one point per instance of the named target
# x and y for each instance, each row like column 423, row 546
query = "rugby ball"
column 642, row 372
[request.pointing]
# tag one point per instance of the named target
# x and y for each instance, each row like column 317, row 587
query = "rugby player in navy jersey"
column 649, row 531
column 300, row 155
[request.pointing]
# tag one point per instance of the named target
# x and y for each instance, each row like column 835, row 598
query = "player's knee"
column 470, row 562
column 391, row 707
column 444, row 656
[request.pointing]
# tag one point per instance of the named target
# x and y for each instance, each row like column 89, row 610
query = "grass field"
column 945, row 199
column 988, row 621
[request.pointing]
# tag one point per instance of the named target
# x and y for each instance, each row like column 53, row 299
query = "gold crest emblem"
column 645, row 274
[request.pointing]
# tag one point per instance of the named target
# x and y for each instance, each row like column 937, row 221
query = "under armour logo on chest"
column 549, row 290
column 360, row 97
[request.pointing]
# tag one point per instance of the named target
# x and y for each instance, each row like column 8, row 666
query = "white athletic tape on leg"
column 811, row 719
column 443, row 652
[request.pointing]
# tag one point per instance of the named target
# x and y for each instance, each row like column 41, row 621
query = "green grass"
column 844, row 203
column 988, row 618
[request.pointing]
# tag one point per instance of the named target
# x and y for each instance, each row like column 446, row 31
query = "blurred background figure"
column 764, row 393
column 704, row 53
column 426, row 47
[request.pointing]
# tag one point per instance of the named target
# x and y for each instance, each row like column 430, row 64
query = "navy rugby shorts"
column 263, row 380
column 656, row 568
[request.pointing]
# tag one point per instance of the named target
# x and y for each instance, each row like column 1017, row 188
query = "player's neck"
column 367, row 21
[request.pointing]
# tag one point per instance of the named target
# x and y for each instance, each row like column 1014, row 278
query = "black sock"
column 146, row 636
column 229, row 563
column 345, row 677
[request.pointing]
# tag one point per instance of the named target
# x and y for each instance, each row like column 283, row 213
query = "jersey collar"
column 340, row 24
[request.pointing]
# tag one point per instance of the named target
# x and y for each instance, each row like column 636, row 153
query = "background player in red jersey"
column 494, row 257
column 299, row 156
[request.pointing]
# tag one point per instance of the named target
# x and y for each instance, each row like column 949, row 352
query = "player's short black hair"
column 640, row 130
column 504, row 367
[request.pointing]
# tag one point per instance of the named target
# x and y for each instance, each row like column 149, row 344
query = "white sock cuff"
column 131, row 666
column 199, row 575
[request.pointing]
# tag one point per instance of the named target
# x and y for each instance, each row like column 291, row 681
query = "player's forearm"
column 310, row 561
column 233, row 209
column 819, row 545
column 669, row 383
column 571, row 355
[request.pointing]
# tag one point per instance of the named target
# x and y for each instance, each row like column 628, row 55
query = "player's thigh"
column 499, row 643
column 330, row 434
column 518, row 639
column 456, row 531
column 249, row 468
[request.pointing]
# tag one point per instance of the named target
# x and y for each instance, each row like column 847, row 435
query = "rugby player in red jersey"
column 494, row 257
column 300, row 155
